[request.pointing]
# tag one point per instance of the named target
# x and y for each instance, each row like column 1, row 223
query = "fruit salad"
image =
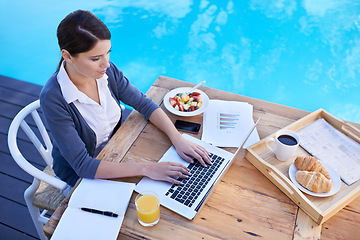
column 186, row 103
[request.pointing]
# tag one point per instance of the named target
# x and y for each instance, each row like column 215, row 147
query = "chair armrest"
column 29, row 168
column 37, row 173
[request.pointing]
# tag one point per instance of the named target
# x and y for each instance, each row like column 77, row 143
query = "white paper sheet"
column 226, row 124
column 333, row 147
column 97, row 194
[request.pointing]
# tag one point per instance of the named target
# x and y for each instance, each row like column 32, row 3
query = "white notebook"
column 104, row 195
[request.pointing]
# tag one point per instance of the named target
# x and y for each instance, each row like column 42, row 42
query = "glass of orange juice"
column 147, row 208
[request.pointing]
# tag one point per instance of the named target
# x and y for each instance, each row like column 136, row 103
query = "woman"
column 81, row 106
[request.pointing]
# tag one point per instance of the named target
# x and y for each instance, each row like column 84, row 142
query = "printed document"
column 104, row 195
column 226, row 124
column 331, row 146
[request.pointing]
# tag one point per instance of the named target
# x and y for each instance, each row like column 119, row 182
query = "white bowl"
column 172, row 93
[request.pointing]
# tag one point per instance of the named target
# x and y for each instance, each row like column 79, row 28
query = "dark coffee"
column 287, row 140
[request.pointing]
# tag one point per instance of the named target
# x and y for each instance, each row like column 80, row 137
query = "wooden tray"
column 318, row 208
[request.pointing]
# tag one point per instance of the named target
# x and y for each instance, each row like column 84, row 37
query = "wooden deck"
column 15, row 220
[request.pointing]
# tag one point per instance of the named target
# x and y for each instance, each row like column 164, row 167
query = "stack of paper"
column 97, row 194
column 227, row 123
column 332, row 147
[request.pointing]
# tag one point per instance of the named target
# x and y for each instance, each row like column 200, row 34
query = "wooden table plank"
column 345, row 224
column 129, row 130
column 306, row 228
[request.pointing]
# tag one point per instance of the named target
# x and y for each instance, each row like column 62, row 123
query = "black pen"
column 106, row 213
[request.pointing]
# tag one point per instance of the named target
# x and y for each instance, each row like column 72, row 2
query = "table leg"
column 305, row 227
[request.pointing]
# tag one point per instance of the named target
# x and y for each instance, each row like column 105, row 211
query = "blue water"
column 303, row 54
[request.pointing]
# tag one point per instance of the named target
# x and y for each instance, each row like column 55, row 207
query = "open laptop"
column 187, row 199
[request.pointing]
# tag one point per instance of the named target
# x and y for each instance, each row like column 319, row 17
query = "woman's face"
column 93, row 63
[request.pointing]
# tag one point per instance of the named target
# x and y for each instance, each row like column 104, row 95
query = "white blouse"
column 102, row 118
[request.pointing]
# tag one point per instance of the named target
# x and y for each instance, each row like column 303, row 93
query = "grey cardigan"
column 74, row 141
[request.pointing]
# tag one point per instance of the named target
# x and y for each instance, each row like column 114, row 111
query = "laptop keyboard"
column 197, row 181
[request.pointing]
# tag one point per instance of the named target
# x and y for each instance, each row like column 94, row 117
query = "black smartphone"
column 187, row 126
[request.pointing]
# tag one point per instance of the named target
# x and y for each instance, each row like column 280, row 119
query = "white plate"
column 335, row 179
column 172, row 93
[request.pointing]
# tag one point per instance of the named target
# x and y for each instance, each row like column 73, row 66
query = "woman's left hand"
column 190, row 151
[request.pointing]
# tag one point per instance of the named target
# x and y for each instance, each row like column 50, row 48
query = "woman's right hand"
column 166, row 171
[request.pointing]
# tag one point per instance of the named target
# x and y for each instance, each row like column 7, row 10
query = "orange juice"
column 147, row 208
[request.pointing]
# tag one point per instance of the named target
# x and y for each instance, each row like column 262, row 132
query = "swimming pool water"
column 303, row 54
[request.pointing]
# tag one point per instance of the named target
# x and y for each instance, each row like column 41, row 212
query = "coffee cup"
column 286, row 143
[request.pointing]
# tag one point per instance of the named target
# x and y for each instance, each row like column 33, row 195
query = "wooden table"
column 244, row 205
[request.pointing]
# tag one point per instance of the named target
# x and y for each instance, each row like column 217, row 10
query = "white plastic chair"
column 46, row 192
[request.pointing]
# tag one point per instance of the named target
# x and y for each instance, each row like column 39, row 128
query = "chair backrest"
column 45, row 151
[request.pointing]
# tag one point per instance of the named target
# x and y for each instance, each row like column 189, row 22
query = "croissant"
column 311, row 164
column 314, row 181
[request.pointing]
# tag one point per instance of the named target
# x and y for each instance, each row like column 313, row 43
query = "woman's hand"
column 190, row 151
column 166, row 171
column 163, row 171
column 186, row 149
